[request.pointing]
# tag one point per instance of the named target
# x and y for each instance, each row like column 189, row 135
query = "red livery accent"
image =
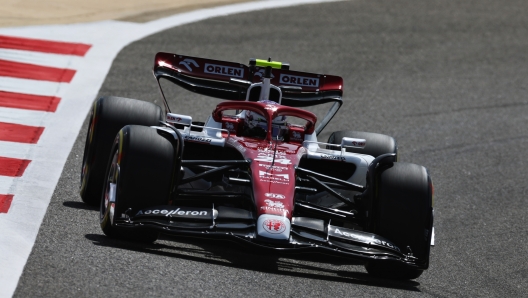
column 13, row 167
column 273, row 161
column 232, row 124
column 5, row 203
column 20, row 133
column 45, row 46
column 35, row 72
column 200, row 67
column 270, row 111
column 225, row 71
column 296, row 133
column 28, row 101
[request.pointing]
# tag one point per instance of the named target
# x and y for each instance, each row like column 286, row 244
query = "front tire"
column 139, row 175
column 402, row 213
column 108, row 116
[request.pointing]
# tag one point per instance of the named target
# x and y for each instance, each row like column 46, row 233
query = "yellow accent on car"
column 120, row 147
column 265, row 63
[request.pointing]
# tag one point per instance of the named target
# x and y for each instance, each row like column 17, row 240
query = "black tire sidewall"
column 145, row 177
column 109, row 115
column 404, row 207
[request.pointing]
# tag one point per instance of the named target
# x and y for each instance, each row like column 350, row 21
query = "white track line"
column 23, row 117
column 19, row 227
column 5, row 188
column 42, row 59
column 33, row 87
column 16, row 150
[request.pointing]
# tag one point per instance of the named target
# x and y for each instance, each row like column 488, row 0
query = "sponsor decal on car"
column 274, row 226
column 266, row 209
column 275, row 195
column 266, row 174
column 274, row 178
column 333, row 157
column 178, row 118
column 187, row 63
column 179, row 212
column 299, row 81
column 268, row 157
column 236, row 145
column 197, row 139
column 358, row 144
column 172, row 118
column 275, row 204
column 271, row 107
column 296, row 135
column 353, row 142
column 224, row 70
column 387, row 244
column 360, row 237
column 274, row 168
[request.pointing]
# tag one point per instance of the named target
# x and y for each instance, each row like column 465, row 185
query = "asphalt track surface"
column 447, row 79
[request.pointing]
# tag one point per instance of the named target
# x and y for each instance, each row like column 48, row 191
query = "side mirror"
column 179, row 119
column 353, row 143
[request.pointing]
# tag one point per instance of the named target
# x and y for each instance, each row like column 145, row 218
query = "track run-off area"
column 448, row 80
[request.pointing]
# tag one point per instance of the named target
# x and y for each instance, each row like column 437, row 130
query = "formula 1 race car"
column 254, row 171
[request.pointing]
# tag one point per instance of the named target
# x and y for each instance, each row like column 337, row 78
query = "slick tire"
column 403, row 214
column 377, row 144
column 108, row 116
column 139, row 175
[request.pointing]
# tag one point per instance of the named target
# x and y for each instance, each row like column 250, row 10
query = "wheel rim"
column 109, row 200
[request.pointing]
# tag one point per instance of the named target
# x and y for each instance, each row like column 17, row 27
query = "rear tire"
column 139, row 175
column 108, row 116
column 377, row 144
column 403, row 214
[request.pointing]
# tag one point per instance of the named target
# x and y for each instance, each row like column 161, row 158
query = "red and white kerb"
column 31, row 73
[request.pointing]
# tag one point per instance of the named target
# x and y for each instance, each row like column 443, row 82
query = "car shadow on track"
column 230, row 254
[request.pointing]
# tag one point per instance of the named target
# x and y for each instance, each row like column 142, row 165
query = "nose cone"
column 273, row 227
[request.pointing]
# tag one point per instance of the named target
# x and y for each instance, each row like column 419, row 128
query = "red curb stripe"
column 28, row 101
column 35, row 72
column 20, row 133
column 13, row 167
column 45, row 46
column 5, row 203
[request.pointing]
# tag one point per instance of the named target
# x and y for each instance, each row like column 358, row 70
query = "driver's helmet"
column 257, row 124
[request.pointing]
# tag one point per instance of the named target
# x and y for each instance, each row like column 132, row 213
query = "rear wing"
column 230, row 81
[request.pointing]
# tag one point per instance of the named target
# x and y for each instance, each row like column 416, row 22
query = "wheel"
column 377, row 144
column 108, row 116
column 139, row 175
column 402, row 213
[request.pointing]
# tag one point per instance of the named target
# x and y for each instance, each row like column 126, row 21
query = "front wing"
column 308, row 235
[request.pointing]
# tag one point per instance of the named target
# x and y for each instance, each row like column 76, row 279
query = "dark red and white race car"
column 255, row 171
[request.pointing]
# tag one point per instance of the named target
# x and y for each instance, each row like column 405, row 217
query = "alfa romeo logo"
column 274, row 226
